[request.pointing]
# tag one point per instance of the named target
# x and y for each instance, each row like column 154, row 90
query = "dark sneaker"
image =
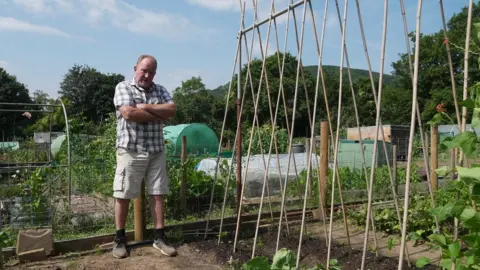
column 119, row 248
column 164, row 248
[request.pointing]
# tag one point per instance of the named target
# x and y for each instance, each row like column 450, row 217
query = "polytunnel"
column 201, row 139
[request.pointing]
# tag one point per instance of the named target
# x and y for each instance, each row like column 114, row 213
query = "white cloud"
column 332, row 21
column 44, row 6
column 263, row 7
column 120, row 14
column 3, row 64
column 257, row 52
column 140, row 21
column 12, row 24
column 217, row 5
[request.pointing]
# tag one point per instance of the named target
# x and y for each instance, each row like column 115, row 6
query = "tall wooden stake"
column 322, row 185
column 239, row 127
column 433, row 156
column 139, row 213
column 183, row 191
column 394, row 169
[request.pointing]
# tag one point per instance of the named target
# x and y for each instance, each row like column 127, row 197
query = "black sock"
column 121, row 233
column 160, row 233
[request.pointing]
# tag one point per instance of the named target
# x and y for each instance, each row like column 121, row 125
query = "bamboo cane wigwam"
column 245, row 47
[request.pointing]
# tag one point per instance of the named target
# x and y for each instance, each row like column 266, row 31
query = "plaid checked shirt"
column 142, row 138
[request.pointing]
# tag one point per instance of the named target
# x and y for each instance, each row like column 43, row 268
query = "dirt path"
column 208, row 255
column 143, row 258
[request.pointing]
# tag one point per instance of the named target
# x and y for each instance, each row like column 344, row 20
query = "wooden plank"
column 93, row 242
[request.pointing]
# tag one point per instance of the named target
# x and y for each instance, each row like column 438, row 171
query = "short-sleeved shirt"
column 146, row 137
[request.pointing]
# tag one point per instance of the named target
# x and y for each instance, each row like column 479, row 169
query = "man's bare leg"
column 121, row 212
column 157, row 208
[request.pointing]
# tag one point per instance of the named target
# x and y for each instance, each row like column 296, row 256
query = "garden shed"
column 201, row 139
column 350, row 153
column 394, row 134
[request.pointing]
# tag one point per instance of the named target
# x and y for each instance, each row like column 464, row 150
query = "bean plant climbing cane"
column 464, row 251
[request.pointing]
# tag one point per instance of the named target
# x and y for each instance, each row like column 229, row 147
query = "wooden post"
column 453, row 161
column 434, row 156
column 323, row 179
column 427, row 142
column 452, row 158
column 139, row 213
column 394, row 165
column 183, row 184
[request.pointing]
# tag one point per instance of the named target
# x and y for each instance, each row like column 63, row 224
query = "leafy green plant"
column 420, row 221
column 7, row 238
column 283, row 259
column 462, row 251
column 265, row 133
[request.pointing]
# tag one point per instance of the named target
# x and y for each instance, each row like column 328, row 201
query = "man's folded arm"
column 138, row 115
column 163, row 111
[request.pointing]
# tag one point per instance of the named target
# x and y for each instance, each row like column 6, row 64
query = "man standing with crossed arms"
column 141, row 107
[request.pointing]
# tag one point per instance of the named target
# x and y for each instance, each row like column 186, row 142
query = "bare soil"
column 208, row 255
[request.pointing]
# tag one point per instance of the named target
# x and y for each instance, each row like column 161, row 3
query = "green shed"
column 350, row 154
column 201, row 139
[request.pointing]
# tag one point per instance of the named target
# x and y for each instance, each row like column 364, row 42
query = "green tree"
column 41, row 97
column 197, row 104
column 289, row 84
column 434, row 84
column 90, row 92
column 12, row 91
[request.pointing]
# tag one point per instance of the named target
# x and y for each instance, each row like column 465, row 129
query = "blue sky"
column 41, row 39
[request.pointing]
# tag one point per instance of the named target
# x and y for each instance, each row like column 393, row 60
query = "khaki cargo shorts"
column 132, row 168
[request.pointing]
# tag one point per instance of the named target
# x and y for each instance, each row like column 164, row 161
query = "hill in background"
column 357, row 74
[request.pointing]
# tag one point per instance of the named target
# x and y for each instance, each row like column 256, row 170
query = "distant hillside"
column 222, row 90
column 334, row 70
column 356, row 73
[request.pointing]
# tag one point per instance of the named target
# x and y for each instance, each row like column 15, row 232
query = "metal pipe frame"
column 69, row 159
column 67, row 132
column 30, row 104
column 16, row 110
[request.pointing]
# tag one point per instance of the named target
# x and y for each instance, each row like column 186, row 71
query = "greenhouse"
column 201, row 139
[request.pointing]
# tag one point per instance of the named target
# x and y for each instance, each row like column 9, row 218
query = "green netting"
column 201, row 139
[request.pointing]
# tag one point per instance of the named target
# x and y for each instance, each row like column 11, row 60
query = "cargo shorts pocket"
column 119, row 180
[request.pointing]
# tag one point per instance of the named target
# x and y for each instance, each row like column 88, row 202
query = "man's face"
column 145, row 72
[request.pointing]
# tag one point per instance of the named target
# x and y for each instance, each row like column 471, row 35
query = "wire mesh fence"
column 77, row 201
